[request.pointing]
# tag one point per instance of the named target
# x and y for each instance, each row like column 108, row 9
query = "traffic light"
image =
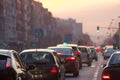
column 98, row 29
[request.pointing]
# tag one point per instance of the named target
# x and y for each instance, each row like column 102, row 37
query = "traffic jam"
column 60, row 62
column 59, row 40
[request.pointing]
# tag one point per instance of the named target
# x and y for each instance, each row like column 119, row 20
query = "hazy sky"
column 91, row 13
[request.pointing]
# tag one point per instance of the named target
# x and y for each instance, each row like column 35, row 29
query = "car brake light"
column 7, row 64
column 70, row 58
column 54, row 69
column 77, row 53
column 59, row 53
column 106, row 74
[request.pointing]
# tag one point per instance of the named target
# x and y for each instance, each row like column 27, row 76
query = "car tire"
column 96, row 59
column 63, row 77
column 58, row 78
column 80, row 66
column 76, row 73
column 89, row 64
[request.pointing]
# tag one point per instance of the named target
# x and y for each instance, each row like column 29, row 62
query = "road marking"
column 93, row 65
column 97, row 70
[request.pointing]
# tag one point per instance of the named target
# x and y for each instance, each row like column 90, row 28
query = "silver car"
column 85, row 55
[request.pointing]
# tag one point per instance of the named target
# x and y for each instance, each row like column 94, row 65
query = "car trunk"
column 115, row 73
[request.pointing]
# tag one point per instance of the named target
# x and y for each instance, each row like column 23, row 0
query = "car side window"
column 17, row 60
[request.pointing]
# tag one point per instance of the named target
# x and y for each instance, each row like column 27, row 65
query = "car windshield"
column 31, row 57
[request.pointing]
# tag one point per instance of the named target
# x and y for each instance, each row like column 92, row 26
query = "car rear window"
column 74, row 48
column 3, row 60
column 83, row 49
column 32, row 57
column 110, row 50
column 64, row 51
column 92, row 49
column 115, row 59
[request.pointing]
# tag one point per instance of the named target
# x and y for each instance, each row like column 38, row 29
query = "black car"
column 112, row 69
column 48, row 66
column 11, row 66
column 76, row 51
column 71, row 60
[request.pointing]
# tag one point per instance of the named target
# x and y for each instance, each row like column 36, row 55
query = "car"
column 75, row 50
column 94, row 53
column 108, row 51
column 71, row 60
column 85, row 55
column 111, row 69
column 48, row 66
column 12, row 67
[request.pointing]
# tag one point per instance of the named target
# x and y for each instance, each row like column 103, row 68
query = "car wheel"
column 58, row 78
column 80, row 66
column 96, row 59
column 104, row 58
column 76, row 73
column 89, row 64
column 63, row 77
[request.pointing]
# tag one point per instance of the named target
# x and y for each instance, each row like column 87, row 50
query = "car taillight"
column 70, row 58
column 7, row 64
column 105, row 74
column 54, row 69
column 77, row 53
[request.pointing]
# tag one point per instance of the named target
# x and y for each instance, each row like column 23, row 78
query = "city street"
column 51, row 39
column 89, row 73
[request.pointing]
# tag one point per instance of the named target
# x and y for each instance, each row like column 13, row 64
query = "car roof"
column 91, row 46
column 75, row 45
column 83, row 46
column 60, row 47
column 109, row 46
column 6, row 52
column 37, row 50
column 117, row 52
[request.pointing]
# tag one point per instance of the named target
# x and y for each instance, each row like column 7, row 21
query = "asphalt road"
column 89, row 73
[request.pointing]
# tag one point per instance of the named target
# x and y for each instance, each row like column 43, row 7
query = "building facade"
column 27, row 24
